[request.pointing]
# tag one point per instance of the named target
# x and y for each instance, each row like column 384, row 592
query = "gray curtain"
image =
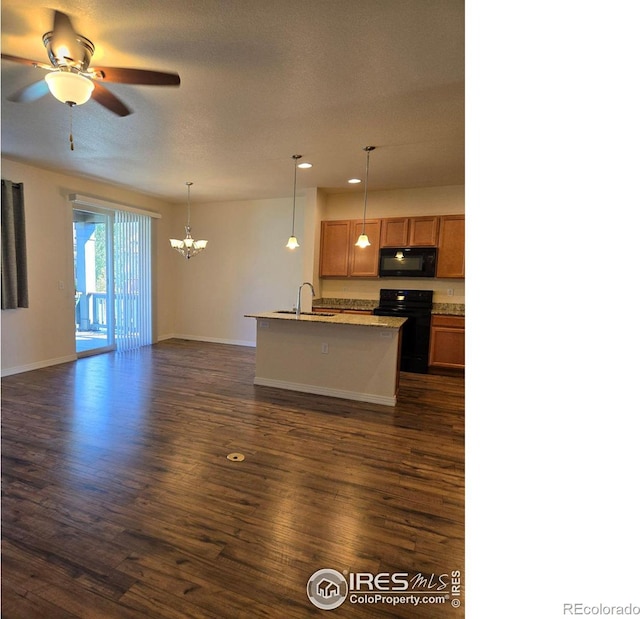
column 14, row 247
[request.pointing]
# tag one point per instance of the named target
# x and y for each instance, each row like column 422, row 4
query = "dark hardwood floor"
column 119, row 500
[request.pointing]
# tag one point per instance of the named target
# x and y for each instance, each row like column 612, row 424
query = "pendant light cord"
column 295, row 178
column 366, row 184
column 188, row 184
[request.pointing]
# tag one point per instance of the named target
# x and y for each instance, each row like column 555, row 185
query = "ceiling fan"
column 72, row 81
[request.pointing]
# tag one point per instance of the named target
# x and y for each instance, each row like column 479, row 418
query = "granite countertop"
column 386, row 322
column 351, row 304
column 449, row 309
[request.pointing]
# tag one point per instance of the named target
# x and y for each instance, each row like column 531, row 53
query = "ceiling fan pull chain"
column 71, row 127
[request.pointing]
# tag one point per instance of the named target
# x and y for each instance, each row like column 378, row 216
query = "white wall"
column 396, row 203
column 44, row 333
column 246, row 267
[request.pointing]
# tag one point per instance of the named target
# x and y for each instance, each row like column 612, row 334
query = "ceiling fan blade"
column 107, row 99
column 136, row 76
column 32, row 63
column 30, row 93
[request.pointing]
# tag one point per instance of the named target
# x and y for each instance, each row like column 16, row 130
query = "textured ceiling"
column 261, row 81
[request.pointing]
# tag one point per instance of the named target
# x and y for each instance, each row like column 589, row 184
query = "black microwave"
column 408, row 262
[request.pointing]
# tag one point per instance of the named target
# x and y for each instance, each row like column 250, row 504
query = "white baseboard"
column 36, row 366
column 334, row 393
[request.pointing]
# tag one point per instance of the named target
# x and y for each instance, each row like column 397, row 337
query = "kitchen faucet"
column 313, row 294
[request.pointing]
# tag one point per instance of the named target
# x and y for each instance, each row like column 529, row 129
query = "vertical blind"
column 132, row 279
column 131, row 269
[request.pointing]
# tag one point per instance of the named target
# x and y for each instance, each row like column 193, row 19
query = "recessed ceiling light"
column 354, row 181
column 305, row 165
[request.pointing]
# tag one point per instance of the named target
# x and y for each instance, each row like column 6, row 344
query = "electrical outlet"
column 325, row 349
column 60, row 285
column 450, row 291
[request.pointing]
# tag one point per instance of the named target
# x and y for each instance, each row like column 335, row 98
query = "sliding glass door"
column 112, row 256
column 93, row 263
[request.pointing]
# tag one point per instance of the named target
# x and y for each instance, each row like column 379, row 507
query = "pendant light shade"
column 188, row 246
column 292, row 243
column 69, row 87
column 363, row 239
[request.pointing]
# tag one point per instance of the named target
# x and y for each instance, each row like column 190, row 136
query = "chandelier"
column 188, row 247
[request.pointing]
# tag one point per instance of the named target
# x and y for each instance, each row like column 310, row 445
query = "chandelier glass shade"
column 292, row 243
column 188, row 247
column 363, row 239
column 69, row 87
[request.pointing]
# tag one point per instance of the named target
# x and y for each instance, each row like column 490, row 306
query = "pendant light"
column 292, row 243
column 188, row 247
column 363, row 239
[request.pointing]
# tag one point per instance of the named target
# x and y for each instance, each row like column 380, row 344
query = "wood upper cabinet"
column 446, row 343
column 423, row 231
column 334, row 248
column 339, row 256
column 409, row 232
column 451, row 247
column 394, row 232
column 364, row 262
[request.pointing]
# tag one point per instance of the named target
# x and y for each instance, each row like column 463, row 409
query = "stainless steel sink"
column 304, row 313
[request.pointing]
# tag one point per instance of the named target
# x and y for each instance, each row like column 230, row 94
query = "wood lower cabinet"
column 339, row 256
column 446, row 343
column 451, row 247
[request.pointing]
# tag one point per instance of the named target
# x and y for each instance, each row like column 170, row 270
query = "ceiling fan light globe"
column 69, row 87
column 363, row 241
column 292, row 243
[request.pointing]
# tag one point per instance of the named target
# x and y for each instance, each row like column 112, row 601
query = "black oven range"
column 416, row 306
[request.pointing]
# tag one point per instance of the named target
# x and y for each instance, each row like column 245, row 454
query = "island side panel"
column 360, row 362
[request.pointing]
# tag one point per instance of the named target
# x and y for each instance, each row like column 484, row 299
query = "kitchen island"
column 355, row 357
